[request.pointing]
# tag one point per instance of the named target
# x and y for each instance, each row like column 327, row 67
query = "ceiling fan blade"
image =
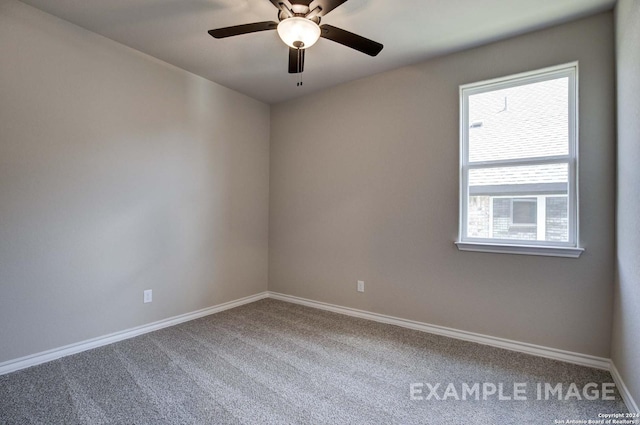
column 276, row 3
column 327, row 5
column 350, row 39
column 284, row 6
column 296, row 60
column 243, row 29
column 302, row 2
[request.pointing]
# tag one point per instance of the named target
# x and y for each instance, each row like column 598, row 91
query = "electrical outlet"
column 361, row 286
column 148, row 296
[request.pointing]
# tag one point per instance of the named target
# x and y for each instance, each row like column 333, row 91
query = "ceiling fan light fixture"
column 296, row 30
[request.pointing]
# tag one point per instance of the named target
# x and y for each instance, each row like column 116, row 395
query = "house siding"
column 557, row 220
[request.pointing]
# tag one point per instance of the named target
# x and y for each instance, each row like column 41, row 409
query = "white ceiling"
column 256, row 64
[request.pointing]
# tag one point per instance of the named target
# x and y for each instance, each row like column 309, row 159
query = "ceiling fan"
column 299, row 27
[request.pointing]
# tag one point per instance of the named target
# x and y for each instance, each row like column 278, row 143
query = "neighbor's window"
column 518, row 164
column 523, row 212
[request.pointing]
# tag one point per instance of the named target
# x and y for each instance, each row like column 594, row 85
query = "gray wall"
column 119, row 173
column 364, row 185
column 625, row 350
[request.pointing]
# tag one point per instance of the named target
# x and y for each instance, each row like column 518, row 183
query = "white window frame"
column 570, row 248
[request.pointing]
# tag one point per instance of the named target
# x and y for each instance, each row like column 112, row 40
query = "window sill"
column 547, row 251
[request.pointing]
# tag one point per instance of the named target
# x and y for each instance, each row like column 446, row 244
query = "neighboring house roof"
column 528, row 121
column 528, row 174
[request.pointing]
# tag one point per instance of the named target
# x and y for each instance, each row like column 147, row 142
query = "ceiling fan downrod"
column 299, row 45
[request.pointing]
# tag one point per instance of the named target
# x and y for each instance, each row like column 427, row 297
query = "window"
column 524, row 211
column 519, row 162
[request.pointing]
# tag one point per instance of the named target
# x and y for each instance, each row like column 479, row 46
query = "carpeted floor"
column 272, row 362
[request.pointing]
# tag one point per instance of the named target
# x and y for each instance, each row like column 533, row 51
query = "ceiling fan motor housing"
column 300, row 11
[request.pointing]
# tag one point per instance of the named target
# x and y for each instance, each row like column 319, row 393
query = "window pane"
column 541, row 218
column 527, row 121
column 527, row 203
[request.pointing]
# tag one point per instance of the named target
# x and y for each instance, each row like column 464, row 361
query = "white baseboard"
column 56, row 353
column 522, row 347
column 624, row 391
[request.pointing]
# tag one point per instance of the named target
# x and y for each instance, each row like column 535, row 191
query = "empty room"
column 319, row 212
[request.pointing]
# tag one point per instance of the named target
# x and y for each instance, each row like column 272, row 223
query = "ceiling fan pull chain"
column 300, row 66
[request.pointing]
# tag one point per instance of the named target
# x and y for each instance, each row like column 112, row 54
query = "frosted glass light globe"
column 297, row 29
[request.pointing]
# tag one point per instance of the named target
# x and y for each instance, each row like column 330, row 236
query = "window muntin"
column 519, row 142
